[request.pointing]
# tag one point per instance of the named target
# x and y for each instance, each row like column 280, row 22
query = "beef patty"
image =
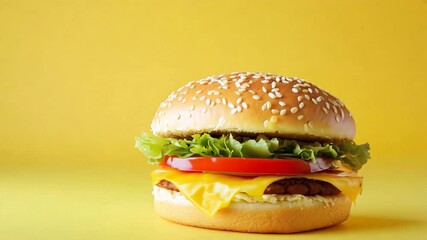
column 303, row 186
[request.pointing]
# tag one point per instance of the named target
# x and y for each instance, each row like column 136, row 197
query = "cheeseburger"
column 254, row 152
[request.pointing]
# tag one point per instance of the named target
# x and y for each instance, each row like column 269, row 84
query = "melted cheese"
column 210, row 192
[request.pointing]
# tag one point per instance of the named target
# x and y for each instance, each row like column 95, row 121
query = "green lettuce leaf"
column 156, row 148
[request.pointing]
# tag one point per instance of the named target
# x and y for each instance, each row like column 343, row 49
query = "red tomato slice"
column 241, row 166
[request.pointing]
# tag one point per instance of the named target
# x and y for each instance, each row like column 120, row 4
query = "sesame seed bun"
column 281, row 217
column 246, row 103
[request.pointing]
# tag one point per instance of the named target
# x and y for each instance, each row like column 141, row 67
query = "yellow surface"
column 80, row 79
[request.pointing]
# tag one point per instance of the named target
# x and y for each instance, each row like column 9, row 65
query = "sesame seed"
column 184, row 100
column 325, row 110
column 327, row 105
column 310, row 90
column 264, row 107
column 256, row 76
column 252, row 91
column 239, row 100
column 239, row 108
column 273, row 119
column 202, row 98
column 233, row 111
column 274, row 111
column 305, row 127
column 335, row 109
column 301, row 105
column 342, row 113
column 218, row 101
column 337, row 119
column 273, row 85
column 294, row 110
column 319, row 98
column 294, row 90
column 230, row 105
column 192, row 107
column 282, row 112
column 264, row 89
column 307, row 97
column 299, row 98
column 198, row 91
column 271, row 95
column 314, row 101
column 278, row 94
column 245, row 105
column 224, row 101
column 194, row 98
column 256, row 97
column 281, row 103
column 275, row 90
column 300, row 117
column 237, row 93
column 310, row 124
column 266, row 122
column 245, row 85
column 208, row 101
column 204, row 109
column 265, row 81
column 316, row 90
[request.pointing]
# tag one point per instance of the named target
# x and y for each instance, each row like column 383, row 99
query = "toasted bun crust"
column 282, row 217
column 254, row 103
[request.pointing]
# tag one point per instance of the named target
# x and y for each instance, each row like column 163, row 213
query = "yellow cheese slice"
column 210, row 192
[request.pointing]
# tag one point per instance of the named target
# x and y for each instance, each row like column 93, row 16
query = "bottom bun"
column 305, row 214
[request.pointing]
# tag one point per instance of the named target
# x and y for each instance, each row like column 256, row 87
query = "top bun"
column 249, row 103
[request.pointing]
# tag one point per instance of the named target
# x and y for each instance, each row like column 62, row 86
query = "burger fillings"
column 254, row 152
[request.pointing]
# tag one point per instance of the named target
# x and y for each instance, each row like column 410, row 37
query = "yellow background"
column 80, row 79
